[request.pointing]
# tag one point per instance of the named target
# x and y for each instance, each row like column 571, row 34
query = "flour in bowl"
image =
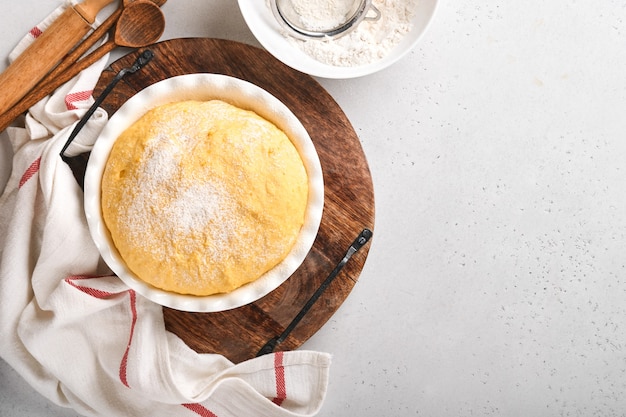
column 322, row 14
column 369, row 42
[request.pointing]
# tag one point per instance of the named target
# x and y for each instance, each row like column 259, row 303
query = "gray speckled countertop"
column 495, row 284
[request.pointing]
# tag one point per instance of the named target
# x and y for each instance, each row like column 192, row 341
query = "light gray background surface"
column 495, row 284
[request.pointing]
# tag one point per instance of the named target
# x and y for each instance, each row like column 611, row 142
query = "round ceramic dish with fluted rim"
column 205, row 87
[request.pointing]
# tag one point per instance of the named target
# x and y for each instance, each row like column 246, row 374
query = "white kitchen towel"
column 82, row 338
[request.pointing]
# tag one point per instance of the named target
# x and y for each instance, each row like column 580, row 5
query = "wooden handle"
column 89, row 8
column 77, row 52
column 41, row 56
column 44, row 53
column 47, row 88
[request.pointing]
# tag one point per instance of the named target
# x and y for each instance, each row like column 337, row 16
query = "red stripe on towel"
column 72, row 98
column 133, row 309
column 32, row 170
column 279, row 371
column 35, row 32
column 94, row 292
column 200, row 410
column 100, row 294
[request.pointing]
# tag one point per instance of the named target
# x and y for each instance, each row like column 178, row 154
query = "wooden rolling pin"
column 46, row 51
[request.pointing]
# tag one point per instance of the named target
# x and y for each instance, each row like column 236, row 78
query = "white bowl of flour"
column 371, row 47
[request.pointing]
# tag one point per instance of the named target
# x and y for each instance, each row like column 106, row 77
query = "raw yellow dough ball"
column 201, row 197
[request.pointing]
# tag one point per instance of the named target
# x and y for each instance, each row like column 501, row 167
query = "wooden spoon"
column 97, row 34
column 157, row 2
column 140, row 24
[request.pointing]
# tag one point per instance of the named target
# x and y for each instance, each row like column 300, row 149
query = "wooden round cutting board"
column 239, row 333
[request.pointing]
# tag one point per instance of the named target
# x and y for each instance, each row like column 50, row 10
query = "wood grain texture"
column 40, row 57
column 349, row 198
